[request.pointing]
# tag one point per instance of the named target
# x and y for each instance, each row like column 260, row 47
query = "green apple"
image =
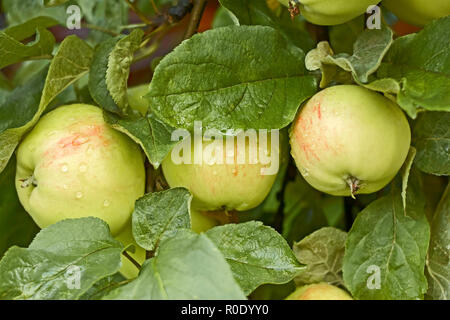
column 319, row 291
column 136, row 98
column 236, row 185
column 418, row 12
column 128, row 269
column 348, row 140
column 73, row 165
column 200, row 222
column 331, row 12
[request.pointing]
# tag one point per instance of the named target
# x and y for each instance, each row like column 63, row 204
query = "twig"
column 132, row 260
column 155, row 7
column 140, row 14
column 97, row 28
column 196, row 15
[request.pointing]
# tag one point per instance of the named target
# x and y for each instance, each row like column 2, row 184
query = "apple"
column 230, row 185
column 136, row 98
column 73, row 165
column 349, row 140
column 330, row 12
column 319, row 291
column 200, row 222
column 128, row 269
column 418, row 12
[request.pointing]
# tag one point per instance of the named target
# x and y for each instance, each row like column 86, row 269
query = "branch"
column 98, row 28
column 140, row 14
column 196, row 16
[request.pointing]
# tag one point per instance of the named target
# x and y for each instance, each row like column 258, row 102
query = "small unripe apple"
column 330, row 12
column 319, row 291
column 128, row 269
column 418, row 12
column 348, row 140
column 200, row 222
column 229, row 185
column 73, row 165
column 136, row 98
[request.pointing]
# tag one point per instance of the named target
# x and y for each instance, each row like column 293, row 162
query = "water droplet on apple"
column 304, row 172
column 65, row 187
column 233, row 171
column 64, row 168
column 79, row 195
column 89, row 150
column 106, row 203
column 83, row 167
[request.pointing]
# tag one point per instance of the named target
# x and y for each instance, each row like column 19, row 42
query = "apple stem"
column 354, row 185
column 132, row 260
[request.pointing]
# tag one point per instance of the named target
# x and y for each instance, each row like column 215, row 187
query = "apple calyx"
column 31, row 180
column 354, row 184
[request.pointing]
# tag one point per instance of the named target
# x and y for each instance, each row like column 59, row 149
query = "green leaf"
column 16, row 226
column 438, row 257
column 71, row 62
column 12, row 51
column 63, row 261
column 97, row 76
column 250, row 12
column 118, row 71
column 368, row 52
column 322, row 252
column 153, row 135
column 257, row 254
column 303, row 212
column 343, row 36
column 187, row 266
column 431, row 138
column 110, row 70
column 103, row 287
column 224, row 18
column 160, row 215
column 420, row 63
column 231, row 78
column 110, row 15
column 53, row 3
column 18, row 12
column 27, row 29
column 387, row 245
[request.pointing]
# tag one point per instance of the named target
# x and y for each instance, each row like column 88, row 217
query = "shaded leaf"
column 63, row 261
column 322, row 252
column 431, row 138
column 187, row 266
column 257, row 254
column 160, row 215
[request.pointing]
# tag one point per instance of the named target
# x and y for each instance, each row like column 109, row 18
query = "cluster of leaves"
column 250, row 71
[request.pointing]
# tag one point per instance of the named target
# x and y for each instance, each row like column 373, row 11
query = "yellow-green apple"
column 418, row 12
column 73, row 164
column 348, row 140
column 200, row 222
column 330, row 12
column 319, row 291
column 136, row 98
column 227, row 178
column 129, row 270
